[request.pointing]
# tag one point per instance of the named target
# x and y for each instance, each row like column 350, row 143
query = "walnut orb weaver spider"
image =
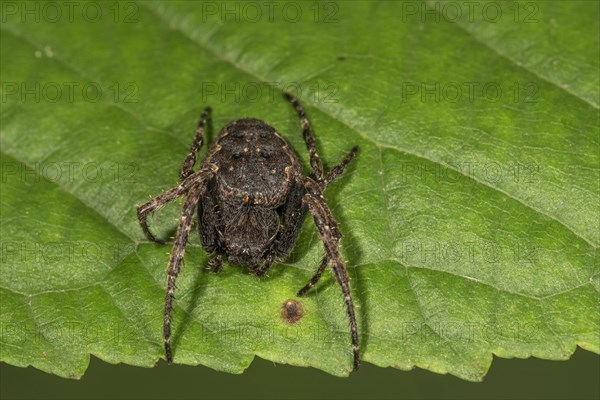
column 252, row 198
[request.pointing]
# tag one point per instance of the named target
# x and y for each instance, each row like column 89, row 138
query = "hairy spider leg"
column 339, row 169
column 156, row 203
column 326, row 227
column 315, row 277
column 190, row 160
column 331, row 176
column 183, row 231
column 315, row 161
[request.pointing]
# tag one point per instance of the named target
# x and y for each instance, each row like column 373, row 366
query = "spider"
column 252, row 199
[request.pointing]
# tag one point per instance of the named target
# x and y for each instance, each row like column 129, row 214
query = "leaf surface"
column 470, row 216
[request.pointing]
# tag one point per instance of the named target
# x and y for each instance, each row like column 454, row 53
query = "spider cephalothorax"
column 252, row 199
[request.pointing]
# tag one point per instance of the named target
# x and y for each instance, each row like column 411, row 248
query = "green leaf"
column 470, row 216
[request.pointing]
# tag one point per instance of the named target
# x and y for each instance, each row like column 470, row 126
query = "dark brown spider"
column 252, row 199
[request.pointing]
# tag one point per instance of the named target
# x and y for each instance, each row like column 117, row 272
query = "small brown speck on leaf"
column 292, row 311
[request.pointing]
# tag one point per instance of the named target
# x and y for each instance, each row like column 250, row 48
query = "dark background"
column 577, row 378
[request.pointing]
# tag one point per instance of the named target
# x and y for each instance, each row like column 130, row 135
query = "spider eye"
column 265, row 153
